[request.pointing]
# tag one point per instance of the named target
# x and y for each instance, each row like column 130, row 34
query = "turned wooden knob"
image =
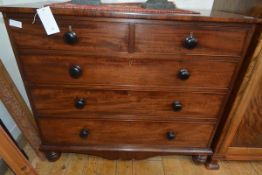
column 75, row 71
column 177, row 106
column 70, row 37
column 183, row 74
column 190, row 42
column 84, row 133
column 171, row 135
column 80, row 103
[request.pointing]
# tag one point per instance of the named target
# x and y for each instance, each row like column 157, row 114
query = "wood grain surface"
column 93, row 36
column 243, row 128
column 216, row 39
column 115, row 133
column 60, row 102
column 106, row 71
column 249, row 132
column 149, row 37
column 13, row 156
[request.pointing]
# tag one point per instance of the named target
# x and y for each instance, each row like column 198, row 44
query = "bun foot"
column 52, row 156
column 212, row 165
column 199, row 159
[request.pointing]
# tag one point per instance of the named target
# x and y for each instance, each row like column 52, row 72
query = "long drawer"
column 81, row 102
column 145, row 36
column 104, row 132
column 184, row 72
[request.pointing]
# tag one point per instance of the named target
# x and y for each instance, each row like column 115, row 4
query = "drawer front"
column 203, row 73
column 217, row 39
column 147, row 36
column 92, row 36
column 125, row 104
column 91, row 132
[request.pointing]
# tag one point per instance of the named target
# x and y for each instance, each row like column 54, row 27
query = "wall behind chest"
column 6, row 2
column 8, row 58
column 195, row 4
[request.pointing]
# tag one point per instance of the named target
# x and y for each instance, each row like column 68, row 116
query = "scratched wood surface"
column 78, row 164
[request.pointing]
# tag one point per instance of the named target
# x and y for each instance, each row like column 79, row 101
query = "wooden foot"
column 52, row 156
column 199, row 159
column 212, row 165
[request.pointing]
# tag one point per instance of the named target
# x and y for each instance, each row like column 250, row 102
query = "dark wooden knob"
column 75, row 71
column 70, row 37
column 190, row 42
column 80, row 103
column 183, row 74
column 84, row 133
column 177, row 106
column 171, row 135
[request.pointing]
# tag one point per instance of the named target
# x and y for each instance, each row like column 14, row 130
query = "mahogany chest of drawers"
column 130, row 86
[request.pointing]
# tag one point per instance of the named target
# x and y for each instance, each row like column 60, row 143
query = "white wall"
column 6, row 2
column 195, row 4
column 8, row 58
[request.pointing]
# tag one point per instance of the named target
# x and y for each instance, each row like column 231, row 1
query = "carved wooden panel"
column 18, row 109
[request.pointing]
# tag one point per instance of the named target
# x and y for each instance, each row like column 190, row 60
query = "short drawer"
column 98, row 132
column 93, row 36
column 99, row 71
column 65, row 102
column 191, row 38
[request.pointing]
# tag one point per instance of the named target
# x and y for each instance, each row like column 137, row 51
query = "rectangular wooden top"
column 123, row 12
